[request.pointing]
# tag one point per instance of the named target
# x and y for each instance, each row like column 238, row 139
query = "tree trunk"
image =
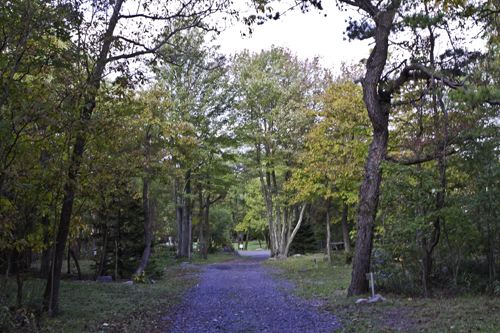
column 19, row 280
column 299, row 222
column 116, row 262
column 289, row 227
column 51, row 295
column 378, row 107
column 284, row 224
column 147, row 234
column 68, row 270
column 76, row 264
column 186, row 230
column 178, row 215
column 104, row 256
column 269, row 214
column 247, row 238
column 426, row 269
column 345, row 229
column 328, row 246
column 265, row 239
column 8, row 256
column 200, row 216
column 45, row 259
column 190, row 227
column 207, row 228
column 490, row 252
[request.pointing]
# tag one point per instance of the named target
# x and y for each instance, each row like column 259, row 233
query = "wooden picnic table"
column 336, row 245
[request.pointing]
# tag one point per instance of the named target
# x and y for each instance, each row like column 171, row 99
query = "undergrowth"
column 328, row 285
column 86, row 306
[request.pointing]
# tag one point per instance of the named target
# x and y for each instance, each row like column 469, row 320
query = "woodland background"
column 122, row 129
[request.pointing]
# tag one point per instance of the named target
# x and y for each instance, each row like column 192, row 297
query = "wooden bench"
column 336, row 245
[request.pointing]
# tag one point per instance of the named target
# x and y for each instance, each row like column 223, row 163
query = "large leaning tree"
column 392, row 24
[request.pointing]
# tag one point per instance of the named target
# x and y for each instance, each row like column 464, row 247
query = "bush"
column 392, row 276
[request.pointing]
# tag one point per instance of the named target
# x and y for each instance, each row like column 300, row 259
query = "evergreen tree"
column 304, row 241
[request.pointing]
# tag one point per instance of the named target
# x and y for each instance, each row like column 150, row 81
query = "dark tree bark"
column 7, row 256
column 104, row 256
column 19, row 280
column 207, row 228
column 46, row 253
column 147, row 234
column 377, row 102
column 51, row 295
column 68, row 271
column 265, row 239
column 186, row 218
column 76, row 263
column 178, row 215
column 345, row 229
column 201, row 242
column 247, row 238
column 328, row 246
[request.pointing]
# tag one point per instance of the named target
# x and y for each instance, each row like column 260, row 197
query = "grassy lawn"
column 167, row 261
column 114, row 307
column 398, row 314
column 251, row 246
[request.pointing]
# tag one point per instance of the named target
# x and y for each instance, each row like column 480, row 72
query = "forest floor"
column 328, row 287
column 87, row 306
column 224, row 294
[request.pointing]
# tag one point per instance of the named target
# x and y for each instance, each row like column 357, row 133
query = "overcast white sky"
column 307, row 34
column 312, row 34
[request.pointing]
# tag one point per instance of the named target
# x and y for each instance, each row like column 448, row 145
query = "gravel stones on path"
column 242, row 296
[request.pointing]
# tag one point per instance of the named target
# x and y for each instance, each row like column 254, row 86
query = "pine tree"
column 305, row 240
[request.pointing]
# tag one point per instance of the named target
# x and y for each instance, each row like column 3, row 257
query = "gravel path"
column 241, row 296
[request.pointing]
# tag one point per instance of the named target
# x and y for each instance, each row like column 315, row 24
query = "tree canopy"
column 121, row 127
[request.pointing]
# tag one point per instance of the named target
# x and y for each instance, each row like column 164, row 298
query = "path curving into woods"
column 242, row 296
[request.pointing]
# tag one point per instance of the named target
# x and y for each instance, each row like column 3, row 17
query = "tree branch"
column 414, row 161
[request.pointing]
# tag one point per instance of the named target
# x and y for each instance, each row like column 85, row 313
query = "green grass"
column 87, row 306
column 476, row 313
column 195, row 260
column 324, row 282
column 251, row 246
column 132, row 308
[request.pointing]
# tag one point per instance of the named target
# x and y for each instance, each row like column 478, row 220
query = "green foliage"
column 336, row 146
column 143, row 278
column 311, row 283
column 222, row 223
column 496, row 287
column 123, row 222
column 305, row 240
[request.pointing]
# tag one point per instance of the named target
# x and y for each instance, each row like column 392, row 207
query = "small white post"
column 373, row 288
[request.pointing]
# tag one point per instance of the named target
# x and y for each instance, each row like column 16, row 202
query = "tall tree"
column 110, row 45
column 275, row 89
column 381, row 21
column 201, row 96
column 330, row 166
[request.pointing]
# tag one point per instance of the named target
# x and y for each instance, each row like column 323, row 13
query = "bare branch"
column 416, row 72
column 413, row 161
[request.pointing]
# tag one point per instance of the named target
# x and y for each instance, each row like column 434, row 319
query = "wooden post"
column 372, row 277
column 116, row 261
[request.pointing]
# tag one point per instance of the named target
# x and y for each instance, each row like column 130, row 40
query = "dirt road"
column 243, row 296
